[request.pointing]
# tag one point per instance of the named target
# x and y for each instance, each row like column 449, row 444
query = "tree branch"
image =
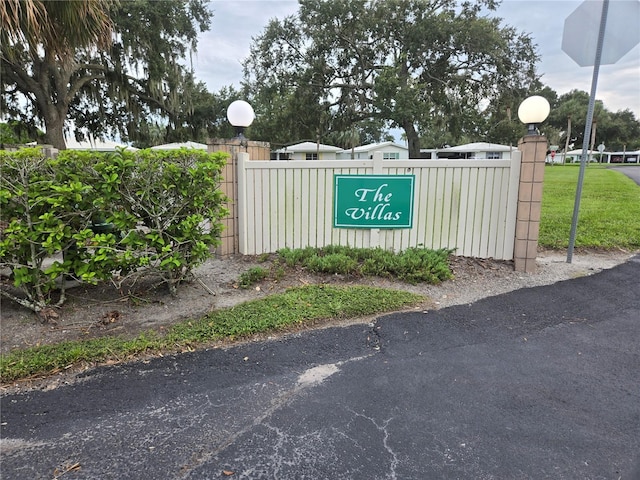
column 78, row 84
column 18, row 74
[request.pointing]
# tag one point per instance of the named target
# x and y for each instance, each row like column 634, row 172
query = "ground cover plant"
column 293, row 308
column 609, row 209
column 413, row 265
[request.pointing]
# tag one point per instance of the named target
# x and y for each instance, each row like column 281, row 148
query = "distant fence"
column 48, row 150
column 466, row 205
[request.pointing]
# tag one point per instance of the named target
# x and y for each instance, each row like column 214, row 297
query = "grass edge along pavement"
column 293, row 308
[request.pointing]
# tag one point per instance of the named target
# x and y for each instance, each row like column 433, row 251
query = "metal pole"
column 587, row 130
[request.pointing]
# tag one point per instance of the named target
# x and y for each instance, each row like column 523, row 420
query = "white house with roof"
column 625, row 156
column 390, row 151
column 95, row 145
column 306, row 151
column 179, row 145
column 575, row 156
column 477, row 150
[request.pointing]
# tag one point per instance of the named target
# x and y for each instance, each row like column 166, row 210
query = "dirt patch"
column 96, row 311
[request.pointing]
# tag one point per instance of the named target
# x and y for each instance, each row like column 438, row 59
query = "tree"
column 14, row 132
column 197, row 115
column 55, row 27
column 349, row 139
column 201, row 115
column 38, row 39
column 104, row 64
column 615, row 130
column 417, row 65
column 622, row 133
column 573, row 105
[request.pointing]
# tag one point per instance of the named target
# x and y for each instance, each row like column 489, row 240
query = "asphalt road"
column 632, row 172
column 534, row 384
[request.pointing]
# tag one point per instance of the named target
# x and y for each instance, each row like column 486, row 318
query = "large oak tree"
column 418, row 65
column 104, row 64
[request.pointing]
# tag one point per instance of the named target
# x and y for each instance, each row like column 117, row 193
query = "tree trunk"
column 413, row 141
column 566, row 145
column 53, row 78
column 593, row 139
column 54, row 126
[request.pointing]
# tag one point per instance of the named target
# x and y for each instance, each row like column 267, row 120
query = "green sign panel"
column 373, row 201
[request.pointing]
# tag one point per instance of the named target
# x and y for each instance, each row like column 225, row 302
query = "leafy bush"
column 413, row 265
column 174, row 198
column 91, row 215
column 45, row 215
column 293, row 257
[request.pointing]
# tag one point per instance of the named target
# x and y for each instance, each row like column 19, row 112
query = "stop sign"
column 581, row 28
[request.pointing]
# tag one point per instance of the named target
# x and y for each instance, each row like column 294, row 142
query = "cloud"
column 222, row 50
column 618, row 85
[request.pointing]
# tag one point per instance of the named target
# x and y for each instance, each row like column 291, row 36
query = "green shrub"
column 175, row 199
column 95, row 214
column 47, row 215
column 297, row 256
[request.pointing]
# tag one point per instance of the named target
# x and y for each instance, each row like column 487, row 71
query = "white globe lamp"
column 240, row 114
column 532, row 112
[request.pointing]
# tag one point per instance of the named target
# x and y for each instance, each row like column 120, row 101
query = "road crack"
column 374, row 340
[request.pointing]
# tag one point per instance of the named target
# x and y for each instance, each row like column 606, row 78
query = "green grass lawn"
column 609, row 209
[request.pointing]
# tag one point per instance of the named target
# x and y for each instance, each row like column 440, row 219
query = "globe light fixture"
column 532, row 112
column 240, row 114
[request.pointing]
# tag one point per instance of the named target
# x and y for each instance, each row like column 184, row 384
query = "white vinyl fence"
column 465, row 205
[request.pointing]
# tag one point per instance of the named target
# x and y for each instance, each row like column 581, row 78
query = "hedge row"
column 94, row 216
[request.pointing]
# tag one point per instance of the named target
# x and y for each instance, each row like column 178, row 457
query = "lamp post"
column 239, row 150
column 532, row 112
column 240, row 114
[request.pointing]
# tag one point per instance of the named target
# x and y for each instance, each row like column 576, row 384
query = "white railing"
column 466, row 205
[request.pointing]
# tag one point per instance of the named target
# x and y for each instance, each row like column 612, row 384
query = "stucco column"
column 534, row 152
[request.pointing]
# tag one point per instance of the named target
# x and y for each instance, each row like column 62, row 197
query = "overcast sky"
column 221, row 51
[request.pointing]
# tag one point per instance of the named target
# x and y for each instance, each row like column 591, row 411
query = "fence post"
column 242, row 202
column 534, row 152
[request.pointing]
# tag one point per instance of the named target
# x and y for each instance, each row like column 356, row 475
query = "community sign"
column 373, row 201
